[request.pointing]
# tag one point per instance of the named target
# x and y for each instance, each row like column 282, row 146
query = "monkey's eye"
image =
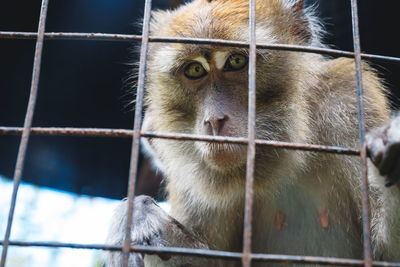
column 235, row 62
column 195, row 71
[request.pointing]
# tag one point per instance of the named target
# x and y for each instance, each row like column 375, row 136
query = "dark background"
column 83, row 84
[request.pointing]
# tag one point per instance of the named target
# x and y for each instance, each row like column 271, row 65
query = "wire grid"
column 246, row 256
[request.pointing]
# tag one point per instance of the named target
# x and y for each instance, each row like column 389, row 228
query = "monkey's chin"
column 226, row 159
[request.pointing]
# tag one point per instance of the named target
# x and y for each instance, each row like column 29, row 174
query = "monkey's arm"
column 383, row 145
column 151, row 226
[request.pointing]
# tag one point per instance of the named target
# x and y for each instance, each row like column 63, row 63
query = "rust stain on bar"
column 364, row 174
column 177, row 136
column 284, row 259
column 366, row 211
column 19, row 166
column 251, row 146
column 130, row 37
column 241, row 140
column 136, row 131
column 67, row 131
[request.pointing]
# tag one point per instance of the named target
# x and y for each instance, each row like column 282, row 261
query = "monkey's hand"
column 383, row 146
column 151, row 226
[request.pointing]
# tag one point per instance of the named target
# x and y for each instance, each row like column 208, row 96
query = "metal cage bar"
column 251, row 146
column 53, row 131
column 133, row 171
column 246, row 256
column 19, row 166
column 186, row 40
column 208, row 253
column 364, row 168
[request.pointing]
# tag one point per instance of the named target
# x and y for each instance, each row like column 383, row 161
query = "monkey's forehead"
column 219, row 19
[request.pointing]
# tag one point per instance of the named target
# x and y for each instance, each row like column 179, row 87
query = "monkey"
column 305, row 203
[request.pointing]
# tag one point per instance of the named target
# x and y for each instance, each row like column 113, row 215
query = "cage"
column 246, row 256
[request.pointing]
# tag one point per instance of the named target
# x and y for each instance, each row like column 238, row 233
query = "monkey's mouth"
column 224, row 156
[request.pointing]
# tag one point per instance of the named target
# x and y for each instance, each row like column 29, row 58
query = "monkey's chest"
column 299, row 225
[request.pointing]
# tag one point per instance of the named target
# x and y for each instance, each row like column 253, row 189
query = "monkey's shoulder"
column 333, row 99
column 338, row 80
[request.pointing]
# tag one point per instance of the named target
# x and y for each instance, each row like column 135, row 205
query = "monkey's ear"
column 300, row 25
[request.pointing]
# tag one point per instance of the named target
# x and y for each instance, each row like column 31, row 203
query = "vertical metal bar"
column 366, row 209
column 136, row 130
column 19, row 166
column 365, row 195
column 357, row 55
column 251, row 148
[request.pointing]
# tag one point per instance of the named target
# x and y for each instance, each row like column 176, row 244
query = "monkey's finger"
column 389, row 158
column 392, row 153
column 375, row 146
column 138, row 260
column 394, row 175
column 393, row 133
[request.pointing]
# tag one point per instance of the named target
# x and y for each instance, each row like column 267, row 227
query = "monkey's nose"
column 214, row 125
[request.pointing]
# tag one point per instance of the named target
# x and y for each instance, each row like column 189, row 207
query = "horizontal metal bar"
column 286, row 259
column 68, row 131
column 132, row 37
column 244, row 141
column 77, row 36
column 177, row 136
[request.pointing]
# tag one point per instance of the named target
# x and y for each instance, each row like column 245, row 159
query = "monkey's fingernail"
column 388, row 183
column 164, row 256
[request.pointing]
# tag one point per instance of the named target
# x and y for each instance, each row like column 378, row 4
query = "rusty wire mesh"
column 246, row 256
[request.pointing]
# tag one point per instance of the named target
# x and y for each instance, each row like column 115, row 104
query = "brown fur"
column 301, row 97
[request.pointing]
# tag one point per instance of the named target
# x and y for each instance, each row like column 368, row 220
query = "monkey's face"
column 206, row 94
column 203, row 89
column 219, row 81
